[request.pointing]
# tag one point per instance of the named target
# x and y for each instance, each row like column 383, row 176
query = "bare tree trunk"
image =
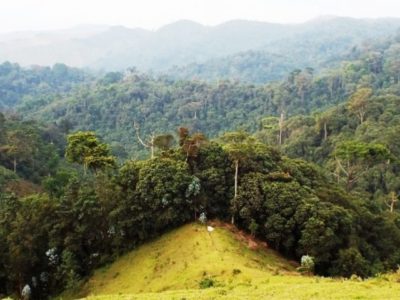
column 393, row 201
column 236, row 189
column 146, row 145
column 15, row 164
column 152, row 145
column 281, row 123
column 361, row 115
column 325, row 131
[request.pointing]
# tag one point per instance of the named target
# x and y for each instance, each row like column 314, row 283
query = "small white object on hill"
column 210, row 228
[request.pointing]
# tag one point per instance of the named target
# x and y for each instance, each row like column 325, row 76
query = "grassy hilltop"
column 190, row 263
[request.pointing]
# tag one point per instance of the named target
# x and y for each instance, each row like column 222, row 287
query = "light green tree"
column 354, row 158
column 84, row 148
column 359, row 101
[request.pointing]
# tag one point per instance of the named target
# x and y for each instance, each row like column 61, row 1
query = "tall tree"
column 359, row 101
column 239, row 145
column 20, row 146
column 354, row 158
column 85, row 148
column 191, row 144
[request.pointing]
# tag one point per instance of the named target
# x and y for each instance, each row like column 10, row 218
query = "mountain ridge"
column 180, row 43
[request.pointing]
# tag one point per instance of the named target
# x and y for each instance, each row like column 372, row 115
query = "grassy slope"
column 172, row 267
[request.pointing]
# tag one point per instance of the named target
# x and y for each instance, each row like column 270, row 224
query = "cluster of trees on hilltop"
column 87, row 216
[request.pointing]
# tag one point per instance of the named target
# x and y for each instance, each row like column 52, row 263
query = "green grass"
column 173, row 266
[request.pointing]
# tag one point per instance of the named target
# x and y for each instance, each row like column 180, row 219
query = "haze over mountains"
column 270, row 136
column 186, row 42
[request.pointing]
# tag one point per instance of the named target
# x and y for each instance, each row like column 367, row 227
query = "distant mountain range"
column 188, row 43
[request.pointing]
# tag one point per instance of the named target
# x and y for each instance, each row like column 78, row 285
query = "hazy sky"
column 151, row 14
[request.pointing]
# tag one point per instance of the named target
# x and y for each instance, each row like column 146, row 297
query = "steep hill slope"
column 179, row 263
column 182, row 259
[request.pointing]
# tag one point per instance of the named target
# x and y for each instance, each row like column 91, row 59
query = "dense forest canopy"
column 36, row 82
column 111, row 104
column 92, row 166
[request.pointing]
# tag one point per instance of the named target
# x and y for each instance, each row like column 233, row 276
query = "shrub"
column 307, row 264
column 203, row 218
column 236, row 271
column 206, row 283
column 253, row 227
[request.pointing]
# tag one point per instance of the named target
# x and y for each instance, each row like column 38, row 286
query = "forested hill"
column 115, row 48
column 322, row 44
column 30, row 84
column 160, row 105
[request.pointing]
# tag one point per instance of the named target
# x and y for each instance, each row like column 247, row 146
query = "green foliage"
column 164, row 142
column 206, row 283
column 56, row 184
column 69, row 270
column 350, row 262
column 84, row 148
column 6, row 176
column 288, row 203
column 253, row 227
column 28, row 149
column 355, row 151
column 36, row 85
column 307, row 264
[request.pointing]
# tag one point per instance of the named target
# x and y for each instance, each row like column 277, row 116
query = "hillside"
column 173, row 266
column 186, row 42
column 161, row 105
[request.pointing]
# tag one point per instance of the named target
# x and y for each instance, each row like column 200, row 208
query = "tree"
column 164, row 141
column 354, row 158
column 350, row 262
column 239, row 146
column 85, row 148
column 359, row 101
column 163, row 193
column 303, row 81
column 281, row 126
column 392, row 61
column 149, row 144
column 392, row 202
column 2, row 129
column 28, row 237
column 191, row 144
column 271, row 130
column 19, row 146
column 322, row 121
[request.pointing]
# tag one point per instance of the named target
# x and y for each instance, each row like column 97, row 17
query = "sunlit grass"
column 173, row 266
